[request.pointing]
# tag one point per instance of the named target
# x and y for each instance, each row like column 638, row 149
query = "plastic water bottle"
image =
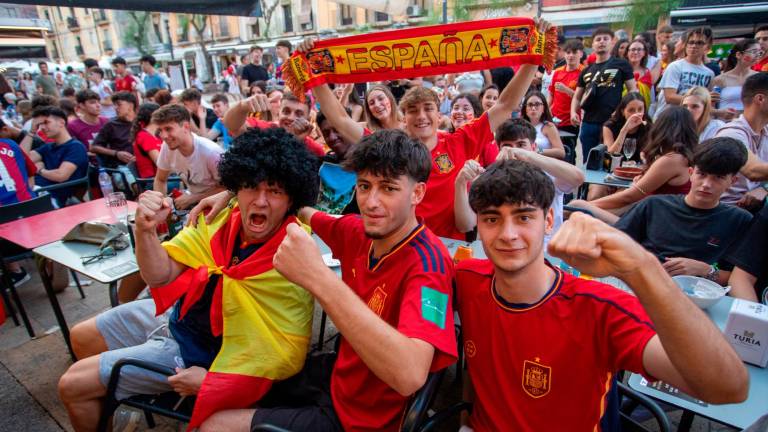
column 105, row 183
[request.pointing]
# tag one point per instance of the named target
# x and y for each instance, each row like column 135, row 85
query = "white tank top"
column 730, row 97
column 542, row 142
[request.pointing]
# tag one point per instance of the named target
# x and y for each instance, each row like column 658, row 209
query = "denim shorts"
column 132, row 330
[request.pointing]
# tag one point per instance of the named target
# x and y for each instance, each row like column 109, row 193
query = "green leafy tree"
column 644, row 15
column 136, row 32
column 200, row 24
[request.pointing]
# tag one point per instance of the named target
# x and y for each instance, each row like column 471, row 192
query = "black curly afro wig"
column 275, row 156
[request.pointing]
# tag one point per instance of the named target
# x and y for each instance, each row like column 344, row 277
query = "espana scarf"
column 421, row 51
column 266, row 321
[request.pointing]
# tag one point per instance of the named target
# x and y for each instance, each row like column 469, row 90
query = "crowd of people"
column 380, row 172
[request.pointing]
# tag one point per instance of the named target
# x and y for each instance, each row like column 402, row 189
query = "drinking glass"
column 629, row 147
column 118, row 205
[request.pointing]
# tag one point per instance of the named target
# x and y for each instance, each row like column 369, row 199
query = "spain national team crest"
column 537, row 378
column 470, row 349
column 377, row 300
column 444, row 163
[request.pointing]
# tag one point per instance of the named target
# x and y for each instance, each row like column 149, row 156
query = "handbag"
column 98, row 233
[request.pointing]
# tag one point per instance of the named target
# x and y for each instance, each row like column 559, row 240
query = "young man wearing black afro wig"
column 216, row 295
column 392, row 305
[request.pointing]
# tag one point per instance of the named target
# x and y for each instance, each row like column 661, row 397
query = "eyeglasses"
column 534, row 104
column 697, row 43
column 106, row 252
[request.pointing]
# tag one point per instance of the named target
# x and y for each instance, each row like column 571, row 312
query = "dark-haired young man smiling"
column 392, row 306
column 524, row 321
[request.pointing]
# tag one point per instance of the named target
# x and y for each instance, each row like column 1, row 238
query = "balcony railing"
column 107, row 46
column 100, row 16
column 79, row 50
column 72, row 23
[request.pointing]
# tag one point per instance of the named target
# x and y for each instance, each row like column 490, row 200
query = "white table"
column 738, row 415
column 108, row 270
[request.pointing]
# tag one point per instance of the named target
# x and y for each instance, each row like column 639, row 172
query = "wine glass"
column 629, row 147
column 118, row 205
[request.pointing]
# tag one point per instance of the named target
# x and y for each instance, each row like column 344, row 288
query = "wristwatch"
column 713, row 274
column 540, row 151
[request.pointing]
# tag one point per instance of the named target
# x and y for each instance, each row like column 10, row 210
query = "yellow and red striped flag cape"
column 421, row 51
column 265, row 320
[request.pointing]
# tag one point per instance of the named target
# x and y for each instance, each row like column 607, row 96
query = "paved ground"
column 30, row 368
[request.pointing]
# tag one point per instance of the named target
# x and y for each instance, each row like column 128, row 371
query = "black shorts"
column 302, row 402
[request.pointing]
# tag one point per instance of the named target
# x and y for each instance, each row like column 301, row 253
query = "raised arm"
column 234, row 119
column 157, row 268
column 465, row 218
column 400, row 361
column 708, row 369
column 348, row 128
column 513, row 93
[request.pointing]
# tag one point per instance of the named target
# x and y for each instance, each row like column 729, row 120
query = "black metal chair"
column 631, row 399
column 79, row 189
column 147, row 183
column 34, row 206
column 170, row 404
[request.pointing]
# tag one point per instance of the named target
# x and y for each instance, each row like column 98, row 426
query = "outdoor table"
column 35, row 232
column 738, row 415
column 598, row 177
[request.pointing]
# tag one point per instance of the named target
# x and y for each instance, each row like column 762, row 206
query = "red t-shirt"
column 761, row 66
column 126, row 83
column 561, row 101
column 448, row 157
column 411, row 289
column 528, row 361
column 145, row 142
column 313, row 146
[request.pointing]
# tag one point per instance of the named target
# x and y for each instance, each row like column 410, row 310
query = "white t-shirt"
column 557, row 207
column 710, row 129
column 104, row 91
column 681, row 75
column 200, row 170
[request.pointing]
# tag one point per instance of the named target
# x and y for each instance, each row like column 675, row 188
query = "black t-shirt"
column 252, row 72
column 751, row 254
column 639, row 135
column 502, row 76
column 611, row 76
column 668, row 227
column 210, row 118
column 198, row 345
column 115, row 135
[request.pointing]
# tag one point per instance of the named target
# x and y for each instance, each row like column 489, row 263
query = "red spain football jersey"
column 448, row 157
column 126, row 83
column 546, row 366
column 411, row 289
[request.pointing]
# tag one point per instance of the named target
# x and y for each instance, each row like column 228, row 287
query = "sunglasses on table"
column 104, row 253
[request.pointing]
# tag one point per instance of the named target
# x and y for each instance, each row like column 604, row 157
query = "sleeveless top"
column 730, row 97
column 668, row 189
column 542, row 141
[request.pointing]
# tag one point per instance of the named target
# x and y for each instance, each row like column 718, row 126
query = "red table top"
column 38, row 230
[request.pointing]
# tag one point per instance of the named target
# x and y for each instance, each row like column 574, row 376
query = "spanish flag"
column 265, row 320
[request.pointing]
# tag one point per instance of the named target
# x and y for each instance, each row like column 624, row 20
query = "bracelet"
column 116, row 152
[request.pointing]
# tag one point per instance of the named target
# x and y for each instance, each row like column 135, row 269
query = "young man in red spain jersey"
column 563, row 86
column 392, row 305
column 539, row 341
column 448, row 151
